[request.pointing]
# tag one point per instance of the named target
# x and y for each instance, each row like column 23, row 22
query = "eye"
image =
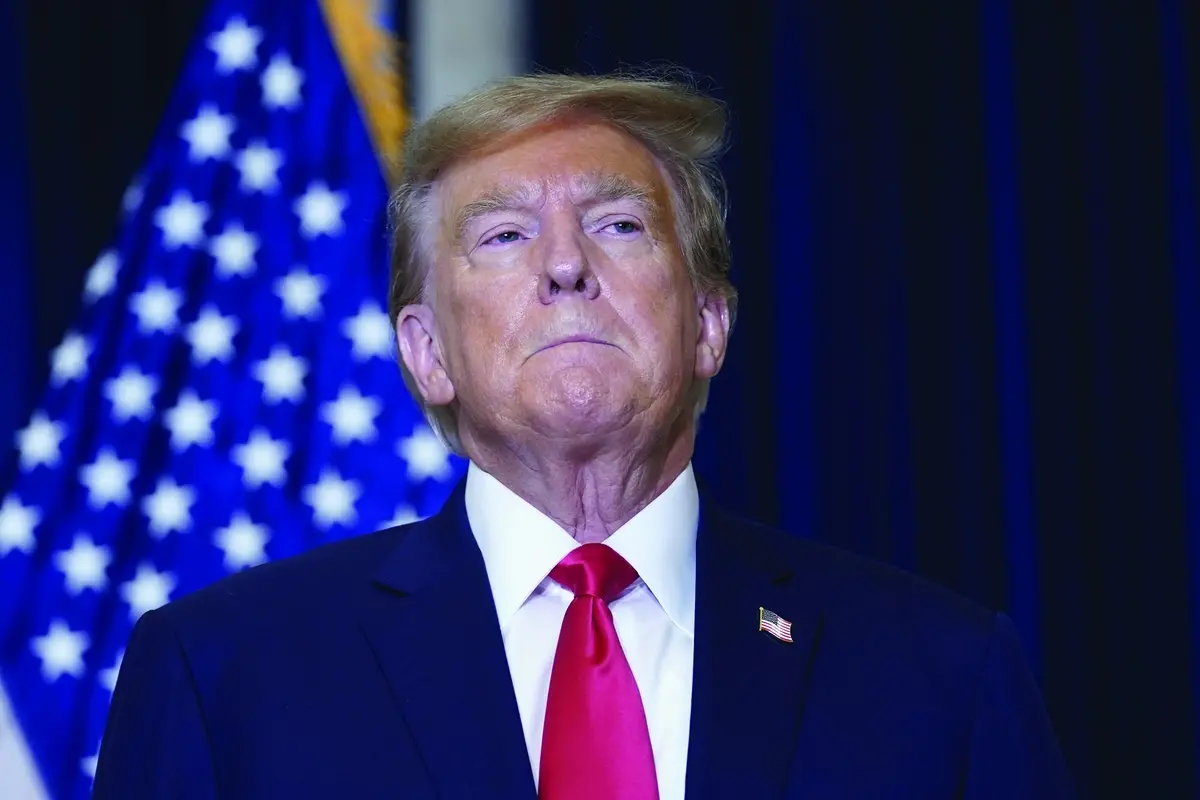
column 504, row 237
column 624, row 227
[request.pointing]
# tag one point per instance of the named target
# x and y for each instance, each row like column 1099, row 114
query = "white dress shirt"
column 654, row 618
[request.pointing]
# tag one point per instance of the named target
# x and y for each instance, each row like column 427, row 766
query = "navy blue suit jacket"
column 374, row 668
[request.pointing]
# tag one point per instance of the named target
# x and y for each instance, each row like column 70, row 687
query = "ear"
column 713, row 334
column 416, row 334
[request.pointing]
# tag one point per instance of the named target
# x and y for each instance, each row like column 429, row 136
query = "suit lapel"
column 432, row 625
column 748, row 687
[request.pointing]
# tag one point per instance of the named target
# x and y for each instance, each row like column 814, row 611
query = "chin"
column 586, row 416
column 582, row 426
column 579, row 400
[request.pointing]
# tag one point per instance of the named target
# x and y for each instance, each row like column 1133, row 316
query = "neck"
column 589, row 493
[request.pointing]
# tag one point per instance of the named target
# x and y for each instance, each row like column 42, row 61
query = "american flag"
column 774, row 624
column 229, row 394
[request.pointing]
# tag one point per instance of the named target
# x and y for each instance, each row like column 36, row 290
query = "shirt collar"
column 659, row 542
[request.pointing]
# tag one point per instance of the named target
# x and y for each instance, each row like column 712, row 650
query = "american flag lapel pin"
column 774, row 624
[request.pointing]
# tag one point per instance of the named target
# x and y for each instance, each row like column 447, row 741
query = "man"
column 579, row 621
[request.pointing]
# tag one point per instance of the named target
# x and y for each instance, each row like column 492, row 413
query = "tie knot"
column 594, row 569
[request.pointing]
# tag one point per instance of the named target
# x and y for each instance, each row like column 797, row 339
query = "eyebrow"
column 592, row 189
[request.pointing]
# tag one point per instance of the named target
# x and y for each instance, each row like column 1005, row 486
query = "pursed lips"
column 572, row 340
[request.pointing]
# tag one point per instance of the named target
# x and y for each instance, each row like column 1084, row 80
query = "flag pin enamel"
column 774, row 624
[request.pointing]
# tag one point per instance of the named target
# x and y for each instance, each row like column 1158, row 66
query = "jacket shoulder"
column 313, row 584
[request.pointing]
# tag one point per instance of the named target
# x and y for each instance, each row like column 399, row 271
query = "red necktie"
column 595, row 743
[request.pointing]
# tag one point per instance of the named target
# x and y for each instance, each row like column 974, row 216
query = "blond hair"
column 683, row 128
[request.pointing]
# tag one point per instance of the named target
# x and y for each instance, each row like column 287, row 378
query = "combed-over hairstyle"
column 683, row 128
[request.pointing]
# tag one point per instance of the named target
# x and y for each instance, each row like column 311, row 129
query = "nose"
column 566, row 271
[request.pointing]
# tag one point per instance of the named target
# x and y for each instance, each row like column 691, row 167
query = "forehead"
column 564, row 158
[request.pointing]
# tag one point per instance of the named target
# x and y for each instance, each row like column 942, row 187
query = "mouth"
column 573, row 340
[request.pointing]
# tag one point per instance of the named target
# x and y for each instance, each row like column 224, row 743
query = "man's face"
column 561, row 304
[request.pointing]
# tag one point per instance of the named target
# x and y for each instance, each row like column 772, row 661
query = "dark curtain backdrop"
column 965, row 236
column 98, row 77
column 15, row 319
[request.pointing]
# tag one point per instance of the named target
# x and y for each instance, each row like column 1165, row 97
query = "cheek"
column 647, row 281
column 661, row 312
column 487, row 317
column 663, row 298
